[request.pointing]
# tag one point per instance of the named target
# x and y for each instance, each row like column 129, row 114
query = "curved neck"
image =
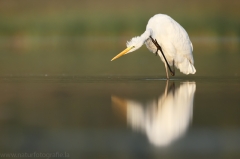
column 146, row 34
column 138, row 41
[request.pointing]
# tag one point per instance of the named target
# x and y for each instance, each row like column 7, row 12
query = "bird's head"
column 132, row 45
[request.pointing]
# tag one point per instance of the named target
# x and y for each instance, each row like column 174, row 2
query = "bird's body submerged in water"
column 165, row 37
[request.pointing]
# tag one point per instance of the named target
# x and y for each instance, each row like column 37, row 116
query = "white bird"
column 168, row 39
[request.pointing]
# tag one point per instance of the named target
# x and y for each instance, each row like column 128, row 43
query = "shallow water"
column 120, row 117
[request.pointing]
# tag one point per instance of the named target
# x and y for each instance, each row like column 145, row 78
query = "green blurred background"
column 72, row 37
column 54, row 43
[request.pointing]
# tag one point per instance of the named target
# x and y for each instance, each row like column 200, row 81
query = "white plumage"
column 172, row 38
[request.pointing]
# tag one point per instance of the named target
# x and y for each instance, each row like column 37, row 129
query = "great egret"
column 168, row 39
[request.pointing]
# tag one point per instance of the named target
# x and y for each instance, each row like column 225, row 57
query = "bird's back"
column 174, row 41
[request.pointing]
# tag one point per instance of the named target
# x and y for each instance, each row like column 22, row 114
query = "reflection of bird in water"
column 168, row 39
column 165, row 119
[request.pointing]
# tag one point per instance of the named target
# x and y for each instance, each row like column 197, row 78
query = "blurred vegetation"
column 110, row 18
column 59, row 36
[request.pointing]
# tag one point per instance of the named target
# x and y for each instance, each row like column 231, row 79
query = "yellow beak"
column 122, row 53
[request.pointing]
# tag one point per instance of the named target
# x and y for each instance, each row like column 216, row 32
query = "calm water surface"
column 120, row 117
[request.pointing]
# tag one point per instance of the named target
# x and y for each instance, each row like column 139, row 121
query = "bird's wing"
column 171, row 36
column 182, row 42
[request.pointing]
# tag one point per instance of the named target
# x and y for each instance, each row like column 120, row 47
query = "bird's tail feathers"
column 187, row 67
